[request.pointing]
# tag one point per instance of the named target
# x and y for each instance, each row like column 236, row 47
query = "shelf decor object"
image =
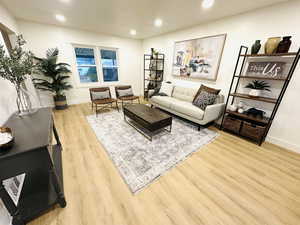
column 6, row 139
column 256, row 47
column 284, row 45
column 153, row 71
column 252, row 127
column 271, row 45
column 33, row 154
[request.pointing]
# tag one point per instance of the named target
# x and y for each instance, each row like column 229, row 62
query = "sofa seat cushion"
column 187, row 108
column 164, row 101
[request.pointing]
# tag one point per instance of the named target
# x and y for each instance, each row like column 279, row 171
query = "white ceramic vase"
column 255, row 92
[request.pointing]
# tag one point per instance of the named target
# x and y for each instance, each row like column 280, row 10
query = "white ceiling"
column 117, row 17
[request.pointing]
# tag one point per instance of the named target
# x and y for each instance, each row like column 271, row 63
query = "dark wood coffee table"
column 147, row 120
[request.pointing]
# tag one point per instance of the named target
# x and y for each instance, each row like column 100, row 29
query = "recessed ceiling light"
column 133, row 32
column 60, row 18
column 158, row 22
column 65, row 1
column 207, row 3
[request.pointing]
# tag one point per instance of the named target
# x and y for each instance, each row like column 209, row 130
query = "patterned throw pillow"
column 204, row 99
column 125, row 92
column 100, row 95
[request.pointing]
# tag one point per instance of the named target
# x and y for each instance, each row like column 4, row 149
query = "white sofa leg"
column 199, row 127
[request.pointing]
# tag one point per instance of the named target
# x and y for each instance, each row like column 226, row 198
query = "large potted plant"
column 16, row 67
column 256, row 87
column 55, row 75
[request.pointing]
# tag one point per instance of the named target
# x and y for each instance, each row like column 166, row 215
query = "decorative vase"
column 255, row 92
column 23, row 101
column 284, row 45
column 271, row 45
column 255, row 47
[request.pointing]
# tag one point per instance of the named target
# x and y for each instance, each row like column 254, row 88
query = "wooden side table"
column 34, row 155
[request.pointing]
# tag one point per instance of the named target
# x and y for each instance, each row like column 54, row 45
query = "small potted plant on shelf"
column 256, row 87
column 55, row 75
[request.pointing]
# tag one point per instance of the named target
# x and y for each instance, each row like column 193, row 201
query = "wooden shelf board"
column 261, row 78
column 271, row 55
column 262, row 99
column 247, row 117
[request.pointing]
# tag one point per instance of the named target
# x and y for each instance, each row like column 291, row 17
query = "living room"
column 147, row 127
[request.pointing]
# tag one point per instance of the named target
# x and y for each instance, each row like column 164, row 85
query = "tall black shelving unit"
column 153, row 72
column 254, row 128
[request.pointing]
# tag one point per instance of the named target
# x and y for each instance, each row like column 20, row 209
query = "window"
column 86, row 65
column 96, row 65
column 109, row 65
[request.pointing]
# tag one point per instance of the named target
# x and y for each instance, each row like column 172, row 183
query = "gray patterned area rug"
column 139, row 160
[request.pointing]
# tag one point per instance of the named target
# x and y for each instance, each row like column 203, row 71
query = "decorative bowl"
column 8, row 140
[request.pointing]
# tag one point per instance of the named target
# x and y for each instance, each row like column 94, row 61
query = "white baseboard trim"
column 284, row 144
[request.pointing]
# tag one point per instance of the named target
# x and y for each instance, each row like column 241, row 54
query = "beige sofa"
column 180, row 104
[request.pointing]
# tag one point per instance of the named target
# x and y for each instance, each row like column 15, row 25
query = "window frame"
column 98, row 65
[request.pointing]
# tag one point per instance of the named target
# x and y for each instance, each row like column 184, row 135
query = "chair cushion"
column 204, row 99
column 125, row 92
column 165, row 101
column 104, row 101
column 188, row 109
column 128, row 98
column 96, row 95
column 185, row 94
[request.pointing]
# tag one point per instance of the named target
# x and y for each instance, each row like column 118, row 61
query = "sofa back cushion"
column 184, row 93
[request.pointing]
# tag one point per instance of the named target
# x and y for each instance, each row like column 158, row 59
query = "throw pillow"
column 166, row 88
column 207, row 89
column 204, row 99
column 125, row 92
column 100, row 95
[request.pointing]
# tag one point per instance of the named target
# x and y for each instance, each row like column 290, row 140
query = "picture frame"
column 198, row 58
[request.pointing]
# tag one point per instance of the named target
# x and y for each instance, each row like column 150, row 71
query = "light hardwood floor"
column 230, row 181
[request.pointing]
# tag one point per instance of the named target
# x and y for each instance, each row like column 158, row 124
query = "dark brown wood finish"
column 261, row 99
column 148, row 118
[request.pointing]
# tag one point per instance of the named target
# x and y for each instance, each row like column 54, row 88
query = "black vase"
column 255, row 47
column 284, row 45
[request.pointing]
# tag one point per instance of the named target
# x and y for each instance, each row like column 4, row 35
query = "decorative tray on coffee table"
column 6, row 139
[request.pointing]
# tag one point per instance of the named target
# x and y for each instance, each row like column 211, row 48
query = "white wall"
column 40, row 37
column 7, row 91
column 244, row 29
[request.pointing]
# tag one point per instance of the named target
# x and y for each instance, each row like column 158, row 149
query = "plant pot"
column 60, row 102
column 271, row 45
column 255, row 47
column 284, row 45
column 255, row 92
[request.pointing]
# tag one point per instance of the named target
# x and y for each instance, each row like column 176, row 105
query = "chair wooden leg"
column 96, row 110
column 139, row 101
column 92, row 106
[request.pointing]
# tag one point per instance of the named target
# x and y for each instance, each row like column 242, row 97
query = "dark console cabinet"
column 35, row 155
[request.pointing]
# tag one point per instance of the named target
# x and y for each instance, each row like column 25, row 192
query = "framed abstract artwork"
column 198, row 58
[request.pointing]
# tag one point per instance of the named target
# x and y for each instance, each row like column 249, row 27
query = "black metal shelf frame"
column 242, row 56
column 159, row 58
